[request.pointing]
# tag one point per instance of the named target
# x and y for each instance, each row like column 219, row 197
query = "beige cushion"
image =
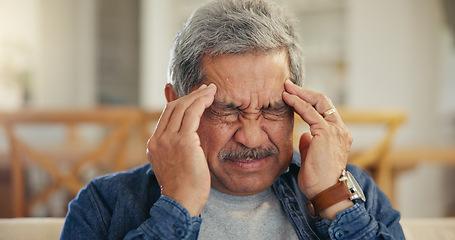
column 429, row 228
column 50, row 228
column 30, row 228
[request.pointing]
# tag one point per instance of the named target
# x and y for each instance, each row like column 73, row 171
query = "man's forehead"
column 247, row 80
column 258, row 102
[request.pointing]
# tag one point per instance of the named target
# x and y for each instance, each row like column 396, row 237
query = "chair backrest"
column 113, row 129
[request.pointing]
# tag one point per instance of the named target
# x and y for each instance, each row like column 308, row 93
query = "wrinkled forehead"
column 249, row 80
column 246, row 98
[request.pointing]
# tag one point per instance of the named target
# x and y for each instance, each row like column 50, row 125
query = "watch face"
column 354, row 187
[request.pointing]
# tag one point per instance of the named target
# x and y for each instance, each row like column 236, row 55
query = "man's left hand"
column 325, row 149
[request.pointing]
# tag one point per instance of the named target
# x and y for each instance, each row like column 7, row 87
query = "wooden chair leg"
column 17, row 176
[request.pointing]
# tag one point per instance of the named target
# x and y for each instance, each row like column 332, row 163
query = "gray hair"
column 224, row 27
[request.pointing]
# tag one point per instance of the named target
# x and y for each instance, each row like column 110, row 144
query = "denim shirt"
column 128, row 205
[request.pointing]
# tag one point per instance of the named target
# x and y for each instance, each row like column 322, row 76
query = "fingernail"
column 202, row 86
column 290, row 86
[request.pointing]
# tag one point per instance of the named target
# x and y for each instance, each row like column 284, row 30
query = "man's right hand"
column 175, row 154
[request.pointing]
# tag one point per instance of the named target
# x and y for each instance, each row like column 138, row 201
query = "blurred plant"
column 15, row 66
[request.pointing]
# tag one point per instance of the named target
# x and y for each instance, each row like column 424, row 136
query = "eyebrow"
column 277, row 106
column 230, row 106
column 222, row 104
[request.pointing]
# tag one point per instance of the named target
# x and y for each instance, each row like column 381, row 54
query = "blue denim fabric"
column 128, row 205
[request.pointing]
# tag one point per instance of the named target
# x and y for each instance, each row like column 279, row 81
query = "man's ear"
column 171, row 95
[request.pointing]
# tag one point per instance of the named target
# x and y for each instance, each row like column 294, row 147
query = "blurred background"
column 81, row 85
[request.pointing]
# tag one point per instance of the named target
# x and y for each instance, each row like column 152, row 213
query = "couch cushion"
column 429, row 228
column 30, row 228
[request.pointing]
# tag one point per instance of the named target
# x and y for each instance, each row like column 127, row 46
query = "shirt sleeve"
column 373, row 219
column 90, row 217
column 84, row 218
column 357, row 223
column 168, row 220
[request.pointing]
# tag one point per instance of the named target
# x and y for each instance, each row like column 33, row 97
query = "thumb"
column 304, row 144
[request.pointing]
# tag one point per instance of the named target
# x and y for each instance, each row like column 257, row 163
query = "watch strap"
column 327, row 198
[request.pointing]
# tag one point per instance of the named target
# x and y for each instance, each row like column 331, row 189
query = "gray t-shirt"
column 259, row 216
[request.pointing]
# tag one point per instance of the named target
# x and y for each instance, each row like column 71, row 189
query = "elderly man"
column 222, row 164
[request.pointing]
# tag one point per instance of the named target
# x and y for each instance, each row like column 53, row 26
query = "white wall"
column 60, row 49
column 18, row 33
column 66, row 70
column 394, row 59
column 158, row 29
column 161, row 20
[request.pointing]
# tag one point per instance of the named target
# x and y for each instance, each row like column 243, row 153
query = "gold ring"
column 328, row 112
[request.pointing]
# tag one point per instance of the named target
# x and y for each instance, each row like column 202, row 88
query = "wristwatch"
column 346, row 188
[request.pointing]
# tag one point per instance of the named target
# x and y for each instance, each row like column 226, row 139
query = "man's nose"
column 251, row 133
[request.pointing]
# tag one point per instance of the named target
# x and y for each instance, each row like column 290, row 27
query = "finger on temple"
column 192, row 117
column 179, row 108
column 304, row 109
column 318, row 100
column 163, row 120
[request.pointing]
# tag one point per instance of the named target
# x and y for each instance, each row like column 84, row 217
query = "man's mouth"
column 243, row 160
column 249, row 164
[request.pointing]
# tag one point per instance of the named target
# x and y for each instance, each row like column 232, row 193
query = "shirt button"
column 339, row 235
column 179, row 233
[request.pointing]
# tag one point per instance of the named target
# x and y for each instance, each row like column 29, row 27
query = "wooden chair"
column 118, row 124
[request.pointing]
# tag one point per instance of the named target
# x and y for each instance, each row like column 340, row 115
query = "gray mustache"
column 251, row 153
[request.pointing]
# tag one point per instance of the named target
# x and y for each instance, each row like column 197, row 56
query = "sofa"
column 50, row 228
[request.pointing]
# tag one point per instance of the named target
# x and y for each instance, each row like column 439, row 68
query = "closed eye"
column 227, row 115
column 276, row 113
column 230, row 114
